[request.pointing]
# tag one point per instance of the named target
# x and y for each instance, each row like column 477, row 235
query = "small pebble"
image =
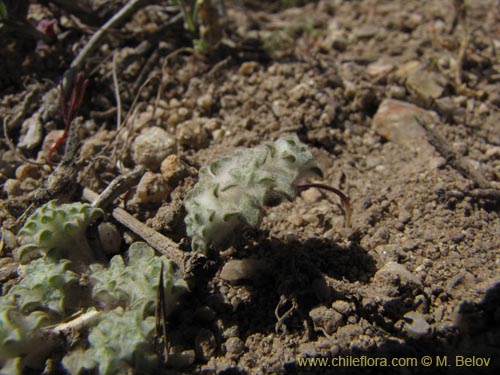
column 241, row 269
column 342, row 307
column 27, row 170
column 311, row 195
column 151, row 189
column 234, row 347
column 8, row 269
column 206, row 101
column 404, row 215
column 110, row 238
column 12, row 187
column 192, row 134
column 437, row 162
column 171, row 168
column 395, row 121
column 231, row 331
column 31, row 133
column 396, row 270
column 379, row 68
column 296, row 220
column 9, row 238
column 248, row 67
column 326, row 319
column 415, row 325
column 307, row 349
column 426, row 85
column 151, row 147
column 387, row 253
column 279, row 108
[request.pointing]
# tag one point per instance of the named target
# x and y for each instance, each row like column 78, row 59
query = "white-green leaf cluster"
column 231, row 192
column 56, row 230
column 19, row 333
column 121, row 342
column 123, row 339
column 50, row 289
column 45, row 286
column 39, row 299
column 42, row 296
column 135, row 284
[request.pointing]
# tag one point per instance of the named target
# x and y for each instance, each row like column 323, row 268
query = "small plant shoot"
column 232, row 192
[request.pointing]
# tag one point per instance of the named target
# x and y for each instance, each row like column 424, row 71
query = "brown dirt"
column 423, row 245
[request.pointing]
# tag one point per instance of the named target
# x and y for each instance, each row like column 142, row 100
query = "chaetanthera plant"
column 232, row 192
column 123, row 339
column 58, row 231
column 135, row 284
column 60, row 282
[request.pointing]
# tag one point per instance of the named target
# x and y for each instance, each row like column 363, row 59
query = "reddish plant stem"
column 344, row 198
column 69, row 109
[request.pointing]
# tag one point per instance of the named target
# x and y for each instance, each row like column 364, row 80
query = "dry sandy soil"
column 399, row 102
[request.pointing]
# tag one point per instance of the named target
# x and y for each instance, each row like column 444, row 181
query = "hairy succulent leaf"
column 54, row 230
column 18, row 333
column 46, row 286
column 122, row 341
column 136, row 285
column 231, row 192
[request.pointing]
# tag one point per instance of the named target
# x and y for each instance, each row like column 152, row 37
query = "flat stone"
column 396, row 121
column 379, row 68
column 426, row 85
column 31, row 133
column 408, row 68
column 241, row 269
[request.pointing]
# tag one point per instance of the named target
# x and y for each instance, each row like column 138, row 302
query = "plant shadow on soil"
column 477, row 335
column 292, row 283
column 296, row 280
column 296, row 277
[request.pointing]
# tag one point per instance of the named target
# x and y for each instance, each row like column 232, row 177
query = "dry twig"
column 118, row 186
column 156, row 240
column 77, row 323
column 453, row 158
column 117, row 95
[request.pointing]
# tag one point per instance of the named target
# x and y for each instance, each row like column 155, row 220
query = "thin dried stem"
column 117, row 95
